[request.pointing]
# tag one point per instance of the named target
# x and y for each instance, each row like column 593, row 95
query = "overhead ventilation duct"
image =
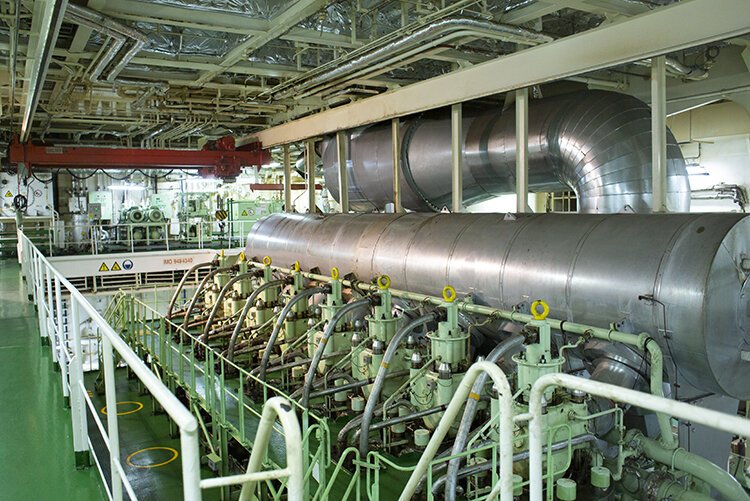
column 378, row 55
column 595, row 143
column 123, row 44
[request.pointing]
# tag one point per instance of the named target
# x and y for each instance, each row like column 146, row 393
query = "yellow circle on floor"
column 172, row 452
column 137, row 406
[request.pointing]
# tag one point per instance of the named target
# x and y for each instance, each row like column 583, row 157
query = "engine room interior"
column 375, row 250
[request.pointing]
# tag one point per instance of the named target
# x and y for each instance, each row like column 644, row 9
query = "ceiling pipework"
column 596, row 143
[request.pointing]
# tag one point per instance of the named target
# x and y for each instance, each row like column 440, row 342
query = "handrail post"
column 191, row 468
column 112, row 425
column 273, row 408
column 48, row 314
column 455, row 405
column 58, row 324
column 77, row 398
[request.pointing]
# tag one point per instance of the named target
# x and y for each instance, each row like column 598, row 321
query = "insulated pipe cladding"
column 679, row 277
column 596, row 143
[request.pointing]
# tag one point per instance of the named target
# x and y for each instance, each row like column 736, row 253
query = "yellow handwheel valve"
column 335, row 273
column 384, row 281
column 267, row 260
column 449, row 294
column 535, row 309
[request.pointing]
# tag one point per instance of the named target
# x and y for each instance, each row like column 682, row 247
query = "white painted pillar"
column 457, row 157
column 396, row 160
column 310, row 169
column 288, row 207
column 659, row 134
column 341, row 157
column 522, row 150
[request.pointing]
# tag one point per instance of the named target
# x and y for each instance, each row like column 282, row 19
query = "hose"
column 322, row 345
column 354, row 385
column 220, row 297
column 280, row 321
column 402, row 419
column 518, row 456
column 470, row 411
column 377, row 386
column 341, row 438
column 181, row 284
column 202, row 284
column 245, row 309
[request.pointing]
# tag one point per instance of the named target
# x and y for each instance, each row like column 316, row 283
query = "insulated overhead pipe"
column 678, row 277
column 596, row 143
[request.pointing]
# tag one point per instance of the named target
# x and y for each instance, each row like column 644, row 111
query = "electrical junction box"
column 105, row 202
column 246, row 212
column 95, row 211
column 164, row 202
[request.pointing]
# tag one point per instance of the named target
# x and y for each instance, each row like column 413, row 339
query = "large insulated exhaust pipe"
column 682, row 278
column 595, row 143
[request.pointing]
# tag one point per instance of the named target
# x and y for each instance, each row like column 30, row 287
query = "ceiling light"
column 125, row 187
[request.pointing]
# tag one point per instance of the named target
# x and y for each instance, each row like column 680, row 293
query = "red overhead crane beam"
column 217, row 159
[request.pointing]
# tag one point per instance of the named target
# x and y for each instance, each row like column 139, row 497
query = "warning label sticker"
column 115, row 267
column 244, row 212
column 103, row 267
column 8, row 194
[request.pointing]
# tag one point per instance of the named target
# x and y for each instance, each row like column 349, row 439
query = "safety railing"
column 49, row 290
column 92, row 237
column 206, row 380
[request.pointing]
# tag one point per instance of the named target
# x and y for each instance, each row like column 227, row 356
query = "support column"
column 457, row 158
column 659, row 134
column 342, row 156
column 310, row 169
column 287, row 181
column 396, row 160
column 522, row 150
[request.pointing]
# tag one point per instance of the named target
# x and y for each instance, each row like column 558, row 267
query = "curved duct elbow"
column 595, row 143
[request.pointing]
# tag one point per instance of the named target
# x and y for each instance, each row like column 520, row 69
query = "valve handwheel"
column 539, row 315
column 384, row 281
column 335, row 273
column 449, row 294
column 267, row 260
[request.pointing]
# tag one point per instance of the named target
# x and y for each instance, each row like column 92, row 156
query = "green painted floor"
column 36, row 445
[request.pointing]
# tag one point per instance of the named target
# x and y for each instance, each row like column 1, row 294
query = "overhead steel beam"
column 544, row 7
column 647, row 35
column 279, row 25
column 45, row 25
column 222, row 161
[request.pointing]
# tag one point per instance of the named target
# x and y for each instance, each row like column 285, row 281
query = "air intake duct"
column 595, row 143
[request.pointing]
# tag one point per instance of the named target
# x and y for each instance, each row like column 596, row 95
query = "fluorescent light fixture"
column 696, row 170
column 274, row 164
column 125, row 187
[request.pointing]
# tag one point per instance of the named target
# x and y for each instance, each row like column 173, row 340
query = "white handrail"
column 692, row 413
column 46, row 284
column 276, row 407
column 44, row 274
column 454, row 407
